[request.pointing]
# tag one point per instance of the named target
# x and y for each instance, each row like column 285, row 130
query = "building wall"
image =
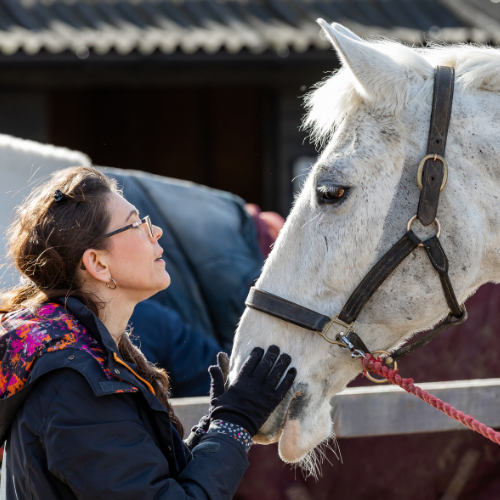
column 212, row 136
column 232, row 125
column 23, row 113
column 296, row 153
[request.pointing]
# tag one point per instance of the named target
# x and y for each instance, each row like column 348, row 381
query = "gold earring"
column 111, row 288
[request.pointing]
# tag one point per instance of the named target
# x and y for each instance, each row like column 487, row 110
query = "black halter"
column 431, row 178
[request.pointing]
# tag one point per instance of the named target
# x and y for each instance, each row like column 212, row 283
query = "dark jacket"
column 78, row 422
column 165, row 339
column 211, row 249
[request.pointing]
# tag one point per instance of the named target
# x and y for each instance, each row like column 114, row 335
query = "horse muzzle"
column 290, row 409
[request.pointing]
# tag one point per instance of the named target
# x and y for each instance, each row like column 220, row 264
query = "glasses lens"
column 150, row 226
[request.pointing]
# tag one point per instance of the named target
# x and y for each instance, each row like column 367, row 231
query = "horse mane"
column 477, row 67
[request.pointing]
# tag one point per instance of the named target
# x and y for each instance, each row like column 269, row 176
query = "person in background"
column 170, row 343
column 268, row 226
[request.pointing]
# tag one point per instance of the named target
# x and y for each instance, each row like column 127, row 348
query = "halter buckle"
column 344, row 330
column 420, row 170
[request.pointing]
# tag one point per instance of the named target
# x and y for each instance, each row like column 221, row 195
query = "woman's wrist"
column 238, row 433
column 234, row 417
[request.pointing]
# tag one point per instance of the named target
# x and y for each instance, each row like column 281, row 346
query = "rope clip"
column 355, row 353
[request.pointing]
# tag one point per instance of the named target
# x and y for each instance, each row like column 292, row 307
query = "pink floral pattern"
column 26, row 335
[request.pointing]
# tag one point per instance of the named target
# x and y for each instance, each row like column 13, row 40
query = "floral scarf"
column 24, row 336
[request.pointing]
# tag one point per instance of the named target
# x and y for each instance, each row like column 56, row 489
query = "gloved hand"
column 254, row 394
column 199, row 430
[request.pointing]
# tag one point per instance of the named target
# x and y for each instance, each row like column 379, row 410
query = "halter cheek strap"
column 431, row 178
column 434, row 169
column 377, row 275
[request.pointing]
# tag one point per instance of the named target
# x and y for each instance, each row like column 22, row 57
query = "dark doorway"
column 212, row 136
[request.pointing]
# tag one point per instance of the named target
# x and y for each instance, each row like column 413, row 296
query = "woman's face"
column 133, row 256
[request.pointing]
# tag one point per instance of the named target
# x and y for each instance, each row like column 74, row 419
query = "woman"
column 83, row 413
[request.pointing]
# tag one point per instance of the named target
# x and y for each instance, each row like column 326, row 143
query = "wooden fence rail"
column 385, row 410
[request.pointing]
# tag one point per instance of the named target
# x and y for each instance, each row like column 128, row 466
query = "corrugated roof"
column 211, row 25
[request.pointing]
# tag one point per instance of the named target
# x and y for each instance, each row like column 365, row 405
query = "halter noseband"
column 431, row 179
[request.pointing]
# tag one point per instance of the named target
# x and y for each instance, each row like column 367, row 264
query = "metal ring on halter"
column 380, row 380
column 336, row 320
column 420, row 170
column 410, row 222
column 114, row 282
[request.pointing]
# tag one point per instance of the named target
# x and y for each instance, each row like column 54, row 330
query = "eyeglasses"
column 144, row 220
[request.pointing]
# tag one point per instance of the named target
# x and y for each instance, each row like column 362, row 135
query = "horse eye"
column 330, row 194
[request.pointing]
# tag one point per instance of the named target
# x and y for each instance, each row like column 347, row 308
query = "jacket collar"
column 90, row 321
column 99, row 332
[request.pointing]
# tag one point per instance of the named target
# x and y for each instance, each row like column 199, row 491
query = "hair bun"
column 59, row 195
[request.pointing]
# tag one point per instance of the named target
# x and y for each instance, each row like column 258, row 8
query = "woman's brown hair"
column 46, row 244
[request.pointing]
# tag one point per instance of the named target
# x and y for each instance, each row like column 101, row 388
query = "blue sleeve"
column 166, row 340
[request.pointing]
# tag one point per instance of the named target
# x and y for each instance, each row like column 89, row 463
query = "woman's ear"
column 95, row 263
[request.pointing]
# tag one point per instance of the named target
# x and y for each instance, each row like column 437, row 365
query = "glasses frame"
column 144, row 220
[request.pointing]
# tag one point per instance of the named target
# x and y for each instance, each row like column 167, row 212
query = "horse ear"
column 341, row 29
column 381, row 71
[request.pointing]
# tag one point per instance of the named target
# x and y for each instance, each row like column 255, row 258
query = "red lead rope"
column 374, row 365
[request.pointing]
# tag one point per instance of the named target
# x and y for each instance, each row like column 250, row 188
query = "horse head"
column 372, row 119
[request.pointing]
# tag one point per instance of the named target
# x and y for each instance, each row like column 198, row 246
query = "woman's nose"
column 157, row 232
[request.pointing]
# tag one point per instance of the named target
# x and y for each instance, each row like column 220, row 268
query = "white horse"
column 373, row 116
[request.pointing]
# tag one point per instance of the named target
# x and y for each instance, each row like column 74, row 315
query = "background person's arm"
column 166, row 340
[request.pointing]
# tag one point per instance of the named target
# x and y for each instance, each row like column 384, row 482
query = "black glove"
column 199, row 430
column 197, row 433
column 253, row 396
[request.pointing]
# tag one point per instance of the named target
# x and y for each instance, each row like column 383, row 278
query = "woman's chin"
column 164, row 282
column 159, row 284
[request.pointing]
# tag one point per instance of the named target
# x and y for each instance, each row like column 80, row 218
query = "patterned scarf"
column 25, row 335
